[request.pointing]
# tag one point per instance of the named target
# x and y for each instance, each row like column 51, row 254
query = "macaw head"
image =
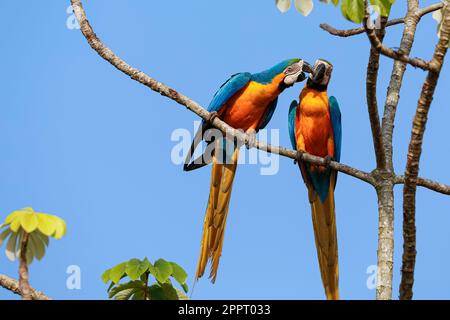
column 321, row 73
column 295, row 71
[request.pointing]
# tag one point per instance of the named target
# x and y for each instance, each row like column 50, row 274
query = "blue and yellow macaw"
column 315, row 128
column 247, row 102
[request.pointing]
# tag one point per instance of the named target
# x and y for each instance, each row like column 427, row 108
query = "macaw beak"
column 318, row 73
column 307, row 67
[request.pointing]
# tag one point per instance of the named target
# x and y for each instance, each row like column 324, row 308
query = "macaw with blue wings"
column 247, row 102
column 315, row 128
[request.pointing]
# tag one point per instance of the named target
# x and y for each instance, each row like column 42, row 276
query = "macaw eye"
column 289, row 70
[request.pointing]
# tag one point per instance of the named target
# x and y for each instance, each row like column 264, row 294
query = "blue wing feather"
column 291, row 123
column 335, row 113
column 228, row 90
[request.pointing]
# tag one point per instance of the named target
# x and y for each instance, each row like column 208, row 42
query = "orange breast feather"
column 247, row 108
column 313, row 130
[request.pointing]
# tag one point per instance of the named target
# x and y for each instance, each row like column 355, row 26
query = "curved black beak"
column 307, row 67
column 318, row 73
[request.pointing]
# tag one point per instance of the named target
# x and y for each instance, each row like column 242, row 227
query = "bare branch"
column 414, row 154
column 355, row 31
column 13, row 286
column 371, row 95
column 427, row 183
column 193, row 106
column 393, row 22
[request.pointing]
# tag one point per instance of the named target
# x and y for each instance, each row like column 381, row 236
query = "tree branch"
column 13, row 286
column 414, row 154
column 371, row 96
column 426, row 183
column 355, row 31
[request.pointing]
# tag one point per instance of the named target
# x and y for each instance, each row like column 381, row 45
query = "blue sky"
column 82, row 141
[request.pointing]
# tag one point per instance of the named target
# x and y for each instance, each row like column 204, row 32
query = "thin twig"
column 13, row 286
column 428, row 184
column 393, row 22
column 414, row 154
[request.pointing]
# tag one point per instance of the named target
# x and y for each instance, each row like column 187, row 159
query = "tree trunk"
column 385, row 193
column 24, row 285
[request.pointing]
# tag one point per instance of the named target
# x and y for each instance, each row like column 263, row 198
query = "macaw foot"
column 250, row 141
column 327, row 161
column 212, row 116
column 299, row 156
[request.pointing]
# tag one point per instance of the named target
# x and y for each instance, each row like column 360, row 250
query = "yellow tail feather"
column 324, row 222
column 216, row 214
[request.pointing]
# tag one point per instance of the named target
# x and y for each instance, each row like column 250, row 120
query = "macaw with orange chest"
column 315, row 128
column 247, row 102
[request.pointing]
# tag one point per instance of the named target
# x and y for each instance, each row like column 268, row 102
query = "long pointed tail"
column 324, row 221
column 216, row 214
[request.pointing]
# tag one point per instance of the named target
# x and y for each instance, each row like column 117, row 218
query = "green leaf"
column 105, row 276
column 38, row 246
column 135, row 285
column 11, row 247
column 29, row 222
column 156, row 292
column 15, row 224
column 185, row 287
column 60, row 227
column 169, row 291
column 132, row 269
column 5, row 233
column 139, row 295
column 17, row 214
column 382, row 7
column 42, row 236
column 178, row 273
column 125, row 294
column 163, row 270
column 117, row 272
column 353, row 10
column 46, row 225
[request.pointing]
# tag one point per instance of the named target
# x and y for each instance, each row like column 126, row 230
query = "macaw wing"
column 228, row 90
column 291, row 123
column 335, row 113
column 269, row 114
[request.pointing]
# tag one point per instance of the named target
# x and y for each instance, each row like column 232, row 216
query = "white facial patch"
column 293, row 72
